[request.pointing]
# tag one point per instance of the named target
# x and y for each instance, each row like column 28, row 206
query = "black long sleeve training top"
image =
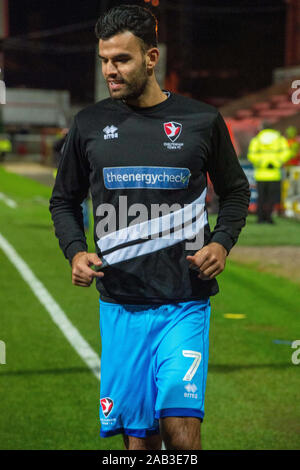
column 146, row 169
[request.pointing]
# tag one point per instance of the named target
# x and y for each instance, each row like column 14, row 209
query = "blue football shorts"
column 153, row 364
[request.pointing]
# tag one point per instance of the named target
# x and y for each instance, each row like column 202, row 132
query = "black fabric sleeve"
column 70, row 189
column 230, row 184
column 58, row 145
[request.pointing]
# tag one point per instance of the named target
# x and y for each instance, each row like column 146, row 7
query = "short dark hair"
column 138, row 20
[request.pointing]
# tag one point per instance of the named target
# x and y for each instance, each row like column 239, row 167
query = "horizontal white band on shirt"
column 155, row 234
column 150, row 246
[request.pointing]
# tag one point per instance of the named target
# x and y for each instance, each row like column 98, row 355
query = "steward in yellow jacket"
column 5, row 147
column 268, row 151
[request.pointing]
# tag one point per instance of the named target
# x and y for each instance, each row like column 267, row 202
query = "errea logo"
column 191, row 388
column 191, row 391
column 110, row 132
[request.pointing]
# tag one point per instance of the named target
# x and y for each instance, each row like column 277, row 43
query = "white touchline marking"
column 83, row 349
column 80, row 345
column 9, row 202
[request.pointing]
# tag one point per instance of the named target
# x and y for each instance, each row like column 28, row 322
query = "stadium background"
column 242, row 57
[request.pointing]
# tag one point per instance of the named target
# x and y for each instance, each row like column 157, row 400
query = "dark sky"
column 236, row 43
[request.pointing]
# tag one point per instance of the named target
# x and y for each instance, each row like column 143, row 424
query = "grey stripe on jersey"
column 155, row 234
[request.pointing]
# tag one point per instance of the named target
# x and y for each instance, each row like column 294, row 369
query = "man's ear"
column 152, row 58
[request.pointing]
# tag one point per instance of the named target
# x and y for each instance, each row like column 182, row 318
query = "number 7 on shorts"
column 193, row 369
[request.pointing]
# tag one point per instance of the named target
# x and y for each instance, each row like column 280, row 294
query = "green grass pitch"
column 49, row 398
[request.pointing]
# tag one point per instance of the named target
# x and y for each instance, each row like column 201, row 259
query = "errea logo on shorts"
column 110, row 132
column 191, row 389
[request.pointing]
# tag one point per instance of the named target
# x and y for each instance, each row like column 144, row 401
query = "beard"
column 133, row 88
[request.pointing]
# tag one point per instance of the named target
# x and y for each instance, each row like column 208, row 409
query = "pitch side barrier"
column 290, row 192
column 2, row 92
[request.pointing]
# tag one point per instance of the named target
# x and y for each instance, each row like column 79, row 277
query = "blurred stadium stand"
column 245, row 117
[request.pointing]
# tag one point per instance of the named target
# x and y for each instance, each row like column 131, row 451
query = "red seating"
column 244, row 113
column 278, row 98
column 261, row 105
column 277, row 113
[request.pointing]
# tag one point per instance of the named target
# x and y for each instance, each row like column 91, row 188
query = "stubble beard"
column 133, row 89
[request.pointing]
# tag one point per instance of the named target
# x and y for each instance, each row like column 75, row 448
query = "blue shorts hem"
column 164, row 413
column 130, row 432
column 111, row 433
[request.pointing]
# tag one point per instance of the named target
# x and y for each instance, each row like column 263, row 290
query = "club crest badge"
column 172, row 130
column 107, row 406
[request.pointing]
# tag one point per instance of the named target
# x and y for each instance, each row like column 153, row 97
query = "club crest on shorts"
column 173, row 130
column 107, row 405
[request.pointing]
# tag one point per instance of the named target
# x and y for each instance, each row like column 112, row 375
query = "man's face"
column 123, row 65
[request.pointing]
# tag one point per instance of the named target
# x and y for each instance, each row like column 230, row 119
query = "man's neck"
column 152, row 96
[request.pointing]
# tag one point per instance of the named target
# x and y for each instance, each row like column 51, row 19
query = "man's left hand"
column 210, row 260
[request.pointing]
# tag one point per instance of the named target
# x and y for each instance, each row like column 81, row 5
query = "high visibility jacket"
column 5, row 145
column 268, row 151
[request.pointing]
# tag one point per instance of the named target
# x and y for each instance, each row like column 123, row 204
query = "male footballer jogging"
column 144, row 153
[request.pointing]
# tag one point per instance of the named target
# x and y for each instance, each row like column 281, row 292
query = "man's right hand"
column 82, row 274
